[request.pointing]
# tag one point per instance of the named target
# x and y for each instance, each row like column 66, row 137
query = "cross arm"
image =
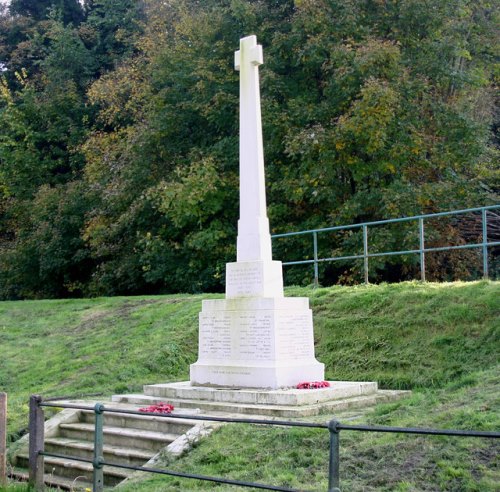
column 252, row 53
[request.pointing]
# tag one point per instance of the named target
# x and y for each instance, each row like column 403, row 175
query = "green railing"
column 37, row 451
column 422, row 249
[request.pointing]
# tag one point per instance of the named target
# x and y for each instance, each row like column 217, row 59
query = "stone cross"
column 255, row 337
column 254, row 239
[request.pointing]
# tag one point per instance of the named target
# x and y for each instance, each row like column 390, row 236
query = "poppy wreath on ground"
column 158, row 408
column 313, row 385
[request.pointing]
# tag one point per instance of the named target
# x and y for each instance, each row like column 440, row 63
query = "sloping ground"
column 407, row 335
column 401, row 335
column 441, row 339
column 112, row 345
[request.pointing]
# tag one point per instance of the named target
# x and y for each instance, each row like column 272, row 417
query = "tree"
column 70, row 10
column 48, row 257
column 44, row 122
column 371, row 110
column 115, row 25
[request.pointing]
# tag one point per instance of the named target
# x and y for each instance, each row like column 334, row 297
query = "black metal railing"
column 37, row 452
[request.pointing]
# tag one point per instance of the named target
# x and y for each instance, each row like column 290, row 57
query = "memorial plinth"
column 256, row 343
column 255, row 338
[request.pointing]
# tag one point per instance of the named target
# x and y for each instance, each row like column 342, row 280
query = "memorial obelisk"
column 255, row 337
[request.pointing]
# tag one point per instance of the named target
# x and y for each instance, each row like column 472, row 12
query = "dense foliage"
column 119, row 133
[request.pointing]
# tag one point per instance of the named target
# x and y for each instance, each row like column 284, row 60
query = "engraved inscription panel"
column 255, row 340
column 215, row 336
column 295, row 335
column 244, row 281
column 231, row 371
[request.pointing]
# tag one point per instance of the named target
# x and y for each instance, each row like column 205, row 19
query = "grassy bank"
column 407, row 335
column 441, row 339
column 107, row 345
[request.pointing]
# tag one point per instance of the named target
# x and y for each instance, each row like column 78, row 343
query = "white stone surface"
column 256, row 342
column 254, row 279
column 257, row 303
column 254, row 239
column 254, row 376
column 188, row 440
column 338, row 390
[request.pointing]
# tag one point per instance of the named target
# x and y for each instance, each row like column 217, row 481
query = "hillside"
column 402, row 335
column 441, row 340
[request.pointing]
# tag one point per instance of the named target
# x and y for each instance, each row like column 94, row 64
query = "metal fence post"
column 36, row 443
column 334, row 463
column 365, row 252
column 422, row 248
column 485, row 244
column 316, row 273
column 98, row 475
column 3, row 439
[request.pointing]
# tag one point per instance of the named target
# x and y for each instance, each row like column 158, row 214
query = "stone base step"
column 117, row 436
column 54, row 481
column 336, row 390
column 85, row 449
column 143, row 422
column 269, row 410
column 68, row 468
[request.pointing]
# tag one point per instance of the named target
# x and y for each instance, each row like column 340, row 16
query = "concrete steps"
column 85, row 449
column 70, row 469
column 118, row 436
column 77, row 484
column 131, row 440
column 168, row 425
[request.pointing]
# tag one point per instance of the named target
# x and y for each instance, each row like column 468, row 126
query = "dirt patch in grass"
column 488, row 456
column 89, row 320
column 95, row 317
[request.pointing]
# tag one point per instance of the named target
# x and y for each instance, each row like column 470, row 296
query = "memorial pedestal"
column 255, row 342
column 255, row 345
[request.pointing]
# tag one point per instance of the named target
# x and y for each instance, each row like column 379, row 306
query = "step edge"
column 89, row 445
column 120, row 431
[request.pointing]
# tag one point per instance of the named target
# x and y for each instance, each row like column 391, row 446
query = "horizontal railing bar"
column 334, row 427
column 430, row 250
column 322, row 260
column 368, row 428
column 287, row 423
column 65, row 405
column 167, row 472
column 417, row 430
column 201, row 477
column 66, row 457
column 392, row 253
column 68, row 397
column 464, row 246
column 386, row 221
